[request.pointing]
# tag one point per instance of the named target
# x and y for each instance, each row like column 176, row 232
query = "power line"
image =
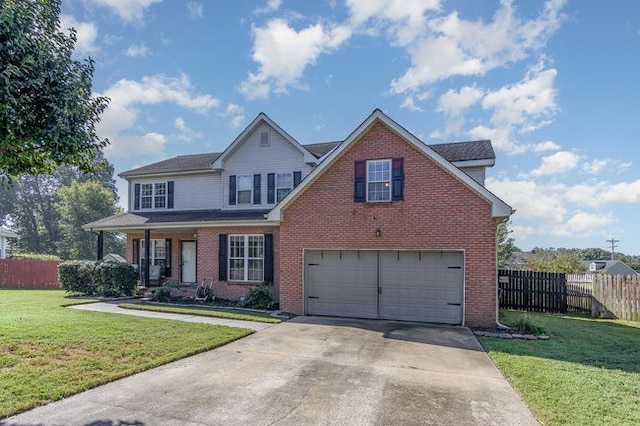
column 613, row 247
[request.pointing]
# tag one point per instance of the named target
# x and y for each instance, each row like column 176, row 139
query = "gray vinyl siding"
column 476, row 173
column 190, row 192
column 250, row 158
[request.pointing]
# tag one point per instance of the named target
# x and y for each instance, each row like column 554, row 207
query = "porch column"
column 147, row 257
column 100, row 245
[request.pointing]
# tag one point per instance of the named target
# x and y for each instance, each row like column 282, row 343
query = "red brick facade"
column 438, row 212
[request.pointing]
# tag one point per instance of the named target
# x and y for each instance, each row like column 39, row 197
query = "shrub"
column 259, row 297
column 97, row 278
column 34, row 256
column 162, row 294
column 524, row 325
column 77, row 277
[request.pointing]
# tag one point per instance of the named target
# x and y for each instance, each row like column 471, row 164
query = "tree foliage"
column 506, row 246
column 47, row 112
column 552, row 260
column 78, row 204
column 35, row 215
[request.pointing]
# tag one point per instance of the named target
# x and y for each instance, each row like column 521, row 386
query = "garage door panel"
column 418, row 286
column 410, row 285
column 342, row 283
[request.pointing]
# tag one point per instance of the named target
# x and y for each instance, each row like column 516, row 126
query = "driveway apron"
column 310, row 371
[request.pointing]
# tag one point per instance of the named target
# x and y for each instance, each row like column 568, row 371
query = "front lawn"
column 48, row 352
column 226, row 313
column 587, row 373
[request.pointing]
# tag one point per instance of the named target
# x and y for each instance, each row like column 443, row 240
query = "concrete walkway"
column 113, row 308
column 309, row 371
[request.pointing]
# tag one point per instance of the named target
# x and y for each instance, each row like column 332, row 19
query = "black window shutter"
column 167, row 248
column 136, row 252
column 170, row 194
column 222, row 257
column 257, row 181
column 271, row 188
column 397, row 184
column 360, row 182
column 297, row 177
column 136, row 196
column 268, row 258
column 232, row 190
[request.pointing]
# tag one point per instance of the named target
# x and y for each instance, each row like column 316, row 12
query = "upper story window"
column 379, row 180
column 245, row 187
column 284, row 183
column 157, row 195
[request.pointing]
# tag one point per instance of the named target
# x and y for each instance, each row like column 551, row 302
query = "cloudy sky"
column 553, row 84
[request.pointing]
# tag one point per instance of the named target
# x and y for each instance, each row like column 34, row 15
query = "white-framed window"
column 284, row 184
column 246, row 257
column 158, row 252
column 379, row 180
column 153, row 195
column 244, row 192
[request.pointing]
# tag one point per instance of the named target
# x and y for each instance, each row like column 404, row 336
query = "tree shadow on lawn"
column 599, row 343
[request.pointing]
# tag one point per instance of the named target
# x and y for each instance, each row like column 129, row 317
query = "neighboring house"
column 613, row 267
column 379, row 225
column 5, row 234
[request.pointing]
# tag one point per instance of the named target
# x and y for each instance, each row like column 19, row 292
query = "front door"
column 188, row 261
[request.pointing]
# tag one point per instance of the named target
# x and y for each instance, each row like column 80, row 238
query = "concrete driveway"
column 310, row 371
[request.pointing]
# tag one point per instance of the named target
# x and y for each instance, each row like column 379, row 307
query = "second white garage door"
column 425, row 286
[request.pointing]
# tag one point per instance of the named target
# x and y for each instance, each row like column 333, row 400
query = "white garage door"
column 424, row 286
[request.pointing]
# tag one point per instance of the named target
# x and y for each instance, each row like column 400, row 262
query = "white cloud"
column 186, row 134
column 409, row 103
column 500, row 137
column 546, row 146
column 450, row 46
column 86, row 33
column 137, row 50
column 284, row 53
column 151, row 143
column 235, row 114
column 530, row 199
column 195, row 10
column 583, row 224
column 595, row 166
column 271, row 6
column 558, row 163
column 127, row 99
column 623, row 192
column 404, row 20
column 127, row 10
column 456, row 102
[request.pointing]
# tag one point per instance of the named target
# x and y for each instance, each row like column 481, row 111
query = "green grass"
column 587, row 373
column 48, row 352
column 226, row 313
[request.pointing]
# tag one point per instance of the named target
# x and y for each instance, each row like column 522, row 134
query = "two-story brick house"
column 379, row 225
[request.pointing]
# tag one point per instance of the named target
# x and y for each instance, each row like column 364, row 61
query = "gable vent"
column 264, row 139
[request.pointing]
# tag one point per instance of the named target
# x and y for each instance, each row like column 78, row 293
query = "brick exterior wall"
column 438, row 212
column 207, row 257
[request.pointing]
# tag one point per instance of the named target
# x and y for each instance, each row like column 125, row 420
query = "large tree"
column 47, row 111
column 506, row 247
column 554, row 260
column 78, row 204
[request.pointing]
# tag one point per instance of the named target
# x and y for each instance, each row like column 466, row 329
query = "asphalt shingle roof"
column 457, row 151
column 128, row 219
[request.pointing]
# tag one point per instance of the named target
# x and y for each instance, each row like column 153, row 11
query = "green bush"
column 97, row 278
column 525, row 325
column 259, row 297
column 34, row 256
column 162, row 294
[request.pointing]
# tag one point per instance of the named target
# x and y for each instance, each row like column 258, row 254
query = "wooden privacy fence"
column 599, row 295
column 532, row 291
column 19, row 273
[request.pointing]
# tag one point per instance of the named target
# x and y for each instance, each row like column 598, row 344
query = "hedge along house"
column 379, row 225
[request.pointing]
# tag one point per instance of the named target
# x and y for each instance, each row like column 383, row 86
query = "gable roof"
column 498, row 207
column 472, row 153
column 615, row 267
column 261, row 118
column 181, row 163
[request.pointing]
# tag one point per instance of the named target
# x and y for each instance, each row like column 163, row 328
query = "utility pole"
column 613, row 247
